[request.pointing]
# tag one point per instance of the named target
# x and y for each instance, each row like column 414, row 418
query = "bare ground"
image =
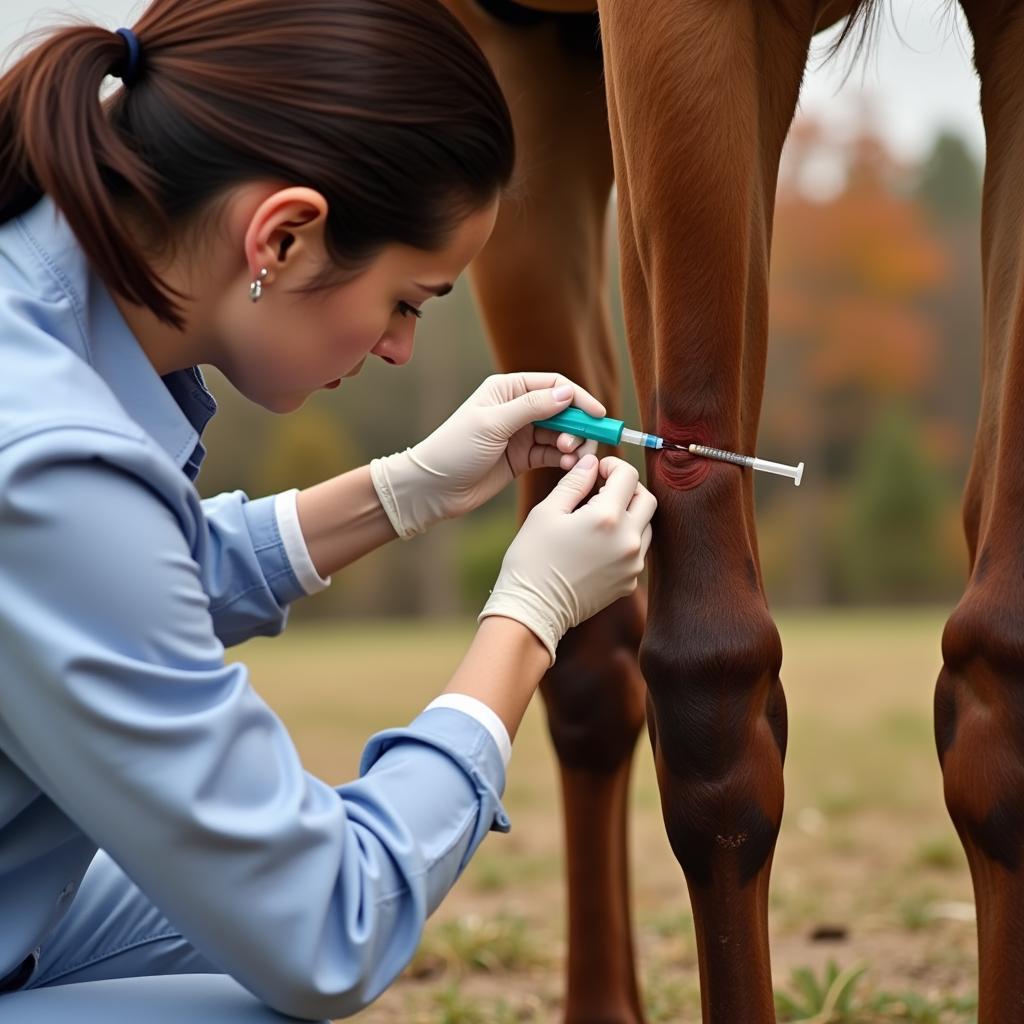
column 867, row 852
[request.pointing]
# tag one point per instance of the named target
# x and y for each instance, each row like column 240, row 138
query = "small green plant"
column 830, row 1000
column 836, row 998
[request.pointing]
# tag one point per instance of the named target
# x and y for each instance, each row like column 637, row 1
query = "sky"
column 917, row 82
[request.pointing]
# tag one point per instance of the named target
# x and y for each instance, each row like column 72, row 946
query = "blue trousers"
column 115, row 958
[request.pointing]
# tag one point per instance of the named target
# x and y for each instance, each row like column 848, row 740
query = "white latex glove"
column 485, row 444
column 564, row 565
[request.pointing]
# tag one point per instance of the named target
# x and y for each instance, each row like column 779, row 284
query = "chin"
column 278, row 403
column 284, row 403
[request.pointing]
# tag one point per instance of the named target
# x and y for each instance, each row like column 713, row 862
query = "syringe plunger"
column 751, row 461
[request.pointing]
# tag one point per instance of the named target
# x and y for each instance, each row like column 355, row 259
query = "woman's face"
column 281, row 349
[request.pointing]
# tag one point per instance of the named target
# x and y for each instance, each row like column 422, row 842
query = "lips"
column 333, row 384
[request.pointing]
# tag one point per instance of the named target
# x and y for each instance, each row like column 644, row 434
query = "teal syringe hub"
column 580, row 424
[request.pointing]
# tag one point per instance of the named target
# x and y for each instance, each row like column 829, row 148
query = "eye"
column 404, row 309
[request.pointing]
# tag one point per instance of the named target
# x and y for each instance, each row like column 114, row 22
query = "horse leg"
column 541, row 284
column 700, row 98
column 979, row 697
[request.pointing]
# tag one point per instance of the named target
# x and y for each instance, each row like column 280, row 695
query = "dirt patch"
column 866, row 853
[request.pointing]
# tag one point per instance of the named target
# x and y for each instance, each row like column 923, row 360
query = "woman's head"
column 344, row 145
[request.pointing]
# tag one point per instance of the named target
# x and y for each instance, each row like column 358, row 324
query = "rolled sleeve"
column 116, row 701
column 484, row 714
column 247, row 571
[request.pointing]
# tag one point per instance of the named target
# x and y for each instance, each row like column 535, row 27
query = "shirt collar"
column 173, row 409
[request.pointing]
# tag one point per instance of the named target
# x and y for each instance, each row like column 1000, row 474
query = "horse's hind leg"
column 541, row 282
column 700, row 99
column 979, row 699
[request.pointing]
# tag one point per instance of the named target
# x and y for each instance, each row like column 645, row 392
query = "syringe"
column 614, row 432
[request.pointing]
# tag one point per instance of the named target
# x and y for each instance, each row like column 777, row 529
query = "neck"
column 167, row 348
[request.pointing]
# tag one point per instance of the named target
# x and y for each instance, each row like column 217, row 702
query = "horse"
column 685, row 105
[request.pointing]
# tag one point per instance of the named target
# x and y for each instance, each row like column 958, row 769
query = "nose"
column 395, row 348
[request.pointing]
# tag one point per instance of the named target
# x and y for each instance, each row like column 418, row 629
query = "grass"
column 917, row 910
column 505, row 942
column 668, row 998
column 944, row 853
column 489, row 872
column 865, row 844
column 840, row 996
column 827, row 1000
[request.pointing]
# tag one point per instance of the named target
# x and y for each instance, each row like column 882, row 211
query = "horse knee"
column 711, row 683
column 720, row 727
column 979, row 723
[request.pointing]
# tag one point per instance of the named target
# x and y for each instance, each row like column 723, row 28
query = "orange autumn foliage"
column 849, row 276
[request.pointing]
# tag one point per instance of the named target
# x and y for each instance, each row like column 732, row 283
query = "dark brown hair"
column 386, row 107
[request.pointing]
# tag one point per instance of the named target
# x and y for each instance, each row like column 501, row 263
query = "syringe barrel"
column 580, row 424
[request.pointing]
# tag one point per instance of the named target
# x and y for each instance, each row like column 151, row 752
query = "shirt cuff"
column 485, row 715
column 286, row 510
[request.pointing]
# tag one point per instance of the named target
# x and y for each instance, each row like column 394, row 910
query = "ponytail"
column 56, row 138
column 388, row 108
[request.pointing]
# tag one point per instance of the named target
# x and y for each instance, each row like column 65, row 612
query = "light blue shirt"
column 122, row 728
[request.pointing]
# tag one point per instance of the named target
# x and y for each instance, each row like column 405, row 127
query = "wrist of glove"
column 408, row 492
column 565, row 566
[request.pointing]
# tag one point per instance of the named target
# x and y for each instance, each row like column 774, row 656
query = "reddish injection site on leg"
column 681, row 470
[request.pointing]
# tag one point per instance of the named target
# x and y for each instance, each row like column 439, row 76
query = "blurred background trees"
column 872, row 380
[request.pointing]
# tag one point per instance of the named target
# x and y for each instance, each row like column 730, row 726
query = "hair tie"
column 128, row 71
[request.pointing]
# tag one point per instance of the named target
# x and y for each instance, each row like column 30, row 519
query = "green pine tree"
column 890, row 533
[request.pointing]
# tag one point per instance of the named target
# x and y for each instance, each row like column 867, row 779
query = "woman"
column 276, row 190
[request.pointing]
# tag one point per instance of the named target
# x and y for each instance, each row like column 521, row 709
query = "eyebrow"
column 436, row 289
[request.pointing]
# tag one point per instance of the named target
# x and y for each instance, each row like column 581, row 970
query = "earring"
column 256, row 287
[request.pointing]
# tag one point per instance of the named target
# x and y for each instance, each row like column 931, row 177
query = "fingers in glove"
column 645, row 540
column 562, row 441
column 642, row 505
column 569, row 459
column 620, row 483
column 534, row 381
column 542, row 435
column 544, row 455
column 574, row 486
column 547, row 449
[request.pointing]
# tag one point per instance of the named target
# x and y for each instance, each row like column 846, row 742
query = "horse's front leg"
column 979, row 699
column 700, row 99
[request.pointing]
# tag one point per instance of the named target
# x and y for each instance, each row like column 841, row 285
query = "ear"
column 290, row 221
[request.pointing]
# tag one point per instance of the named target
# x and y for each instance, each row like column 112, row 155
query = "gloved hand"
column 564, row 565
column 487, row 442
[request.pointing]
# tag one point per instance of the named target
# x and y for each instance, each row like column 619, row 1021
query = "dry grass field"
column 867, row 854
